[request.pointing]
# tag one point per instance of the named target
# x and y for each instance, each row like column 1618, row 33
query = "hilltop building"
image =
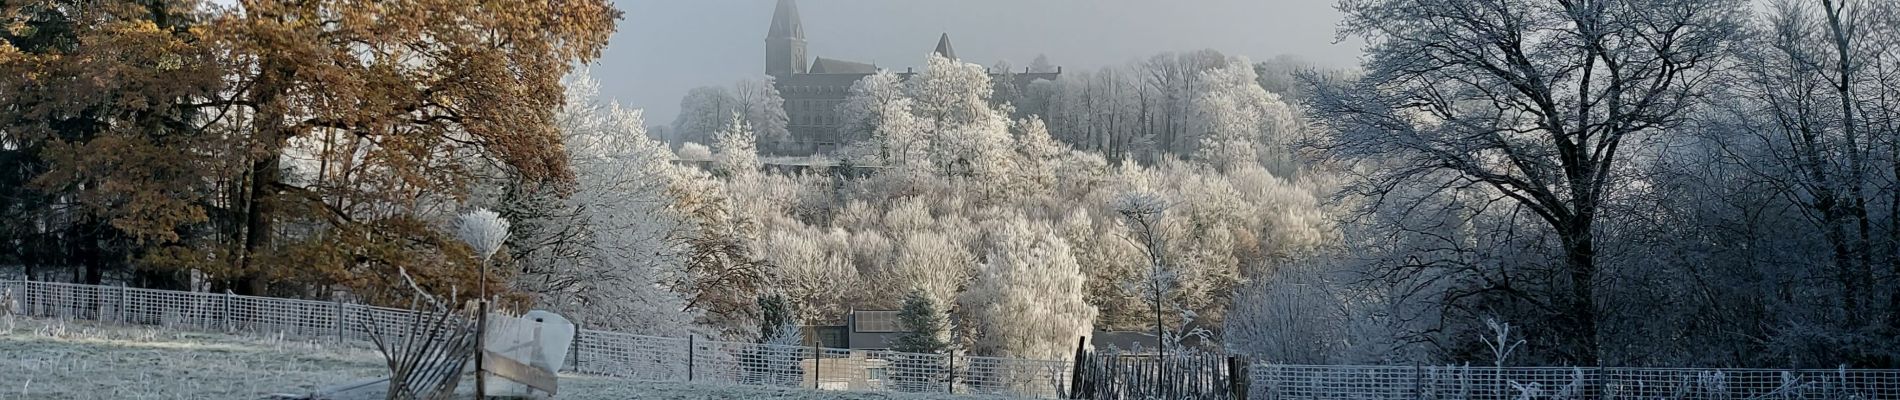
column 814, row 89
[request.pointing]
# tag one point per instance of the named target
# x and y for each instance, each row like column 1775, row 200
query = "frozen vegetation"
column 49, row 359
column 41, row 359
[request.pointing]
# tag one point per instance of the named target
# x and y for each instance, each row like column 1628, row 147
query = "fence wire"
column 652, row 358
column 1330, row 382
column 601, row 353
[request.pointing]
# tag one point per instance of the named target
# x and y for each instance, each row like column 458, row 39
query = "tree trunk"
column 1580, row 260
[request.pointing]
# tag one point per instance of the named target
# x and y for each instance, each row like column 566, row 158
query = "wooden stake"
column 481, row 349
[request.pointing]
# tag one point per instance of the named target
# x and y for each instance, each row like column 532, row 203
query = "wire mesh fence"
column 652, row 358
column 602, row 353
column 1328, row 382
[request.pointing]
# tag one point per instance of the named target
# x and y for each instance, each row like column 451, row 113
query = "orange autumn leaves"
column 288, row 146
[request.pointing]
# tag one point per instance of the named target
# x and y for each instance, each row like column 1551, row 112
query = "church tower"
column 785, row 43
column 943, row 47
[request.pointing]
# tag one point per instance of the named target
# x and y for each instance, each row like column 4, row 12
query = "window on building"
column 875, row 321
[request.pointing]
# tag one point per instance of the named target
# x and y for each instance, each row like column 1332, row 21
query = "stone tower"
column 785, row 43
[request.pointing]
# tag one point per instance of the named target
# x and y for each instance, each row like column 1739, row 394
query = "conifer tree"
column 923, row 325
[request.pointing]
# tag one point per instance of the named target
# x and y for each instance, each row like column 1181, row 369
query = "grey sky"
column 665, row 47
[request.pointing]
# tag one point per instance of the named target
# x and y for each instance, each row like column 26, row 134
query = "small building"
column 863, row 330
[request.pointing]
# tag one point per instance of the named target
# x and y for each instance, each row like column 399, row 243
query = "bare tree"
column 1530, row 99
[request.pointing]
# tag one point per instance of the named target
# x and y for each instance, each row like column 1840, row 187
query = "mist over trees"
column 1665, row 183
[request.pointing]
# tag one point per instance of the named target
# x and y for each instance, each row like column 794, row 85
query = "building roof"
column 943, row 47
column 785, row 23
column 1124, row 340
column 823, row 65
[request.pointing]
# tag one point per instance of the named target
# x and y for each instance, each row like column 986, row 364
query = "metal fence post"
column 122, row 306
column 1418, row 381
column 574, row 349
column 817, row 371
column 225, row 316
column 689, row 357
column 950, row 374
column 339, row 321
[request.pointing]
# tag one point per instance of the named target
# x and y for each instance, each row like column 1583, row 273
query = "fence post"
column 574, row 349
column 1418, row 381
column 690, row 348
column 225, row 316
column 481, row 348
column 340, row 325
column 1076, row 379
column 950, row 374
column 1233, row 377
column 817, row 371
column 122, row 306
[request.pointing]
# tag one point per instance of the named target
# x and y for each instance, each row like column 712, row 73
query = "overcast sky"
column 665, row 47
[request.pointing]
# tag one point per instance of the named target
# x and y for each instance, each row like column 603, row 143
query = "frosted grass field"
column 41, row 359
column 50, row 359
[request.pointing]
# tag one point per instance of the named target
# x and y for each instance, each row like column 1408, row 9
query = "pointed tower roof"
column 944, row 49
column 785, row 22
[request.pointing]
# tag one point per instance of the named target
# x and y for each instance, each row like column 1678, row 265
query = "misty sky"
column 665, row 47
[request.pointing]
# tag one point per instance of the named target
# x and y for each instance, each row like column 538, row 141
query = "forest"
column 1674, row 183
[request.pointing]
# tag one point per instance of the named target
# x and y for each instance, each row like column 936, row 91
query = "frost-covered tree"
column 707, row 110
column 1027, row 300
column 933, row 263
column 879, row 118
column 694, row 152
column 971, row 137
column 601, row 255
column 813, row 269
column 1238, row 122
column 1533, row 100
column 735, row 150
column 763, row 108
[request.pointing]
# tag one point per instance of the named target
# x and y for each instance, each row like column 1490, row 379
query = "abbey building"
column 814, row 87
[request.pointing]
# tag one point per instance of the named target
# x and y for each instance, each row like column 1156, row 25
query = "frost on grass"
column 44, row 359
column 49, row 359
column 591, row 388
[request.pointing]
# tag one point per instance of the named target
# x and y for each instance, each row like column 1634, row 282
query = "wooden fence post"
column 1077, row 379
column 1233, row 377
column 481, row 329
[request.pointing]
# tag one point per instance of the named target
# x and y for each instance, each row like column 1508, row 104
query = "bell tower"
column 785, row 43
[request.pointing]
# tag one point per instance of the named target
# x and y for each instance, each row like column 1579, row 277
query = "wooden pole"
column 1076, row 377
column 481, row 330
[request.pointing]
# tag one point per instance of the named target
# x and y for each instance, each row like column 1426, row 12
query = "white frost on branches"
column 616, row 239
column 1239, row 122
column 483, row 230
column 735, row 149
column 1028, row 296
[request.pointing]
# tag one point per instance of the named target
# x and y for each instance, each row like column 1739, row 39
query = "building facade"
column 813, row 90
